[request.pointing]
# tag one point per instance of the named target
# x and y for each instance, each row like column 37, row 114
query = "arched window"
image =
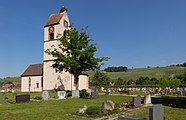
column 65, row 24
column 51, row 33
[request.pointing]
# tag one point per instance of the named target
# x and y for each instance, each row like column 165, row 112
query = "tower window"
column 65, row 24
column 51, row 36
column 51, row 33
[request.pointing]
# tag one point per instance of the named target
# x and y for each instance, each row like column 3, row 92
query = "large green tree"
column 75, row 53
column 100, row 79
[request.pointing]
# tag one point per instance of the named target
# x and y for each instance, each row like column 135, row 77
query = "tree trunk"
column 76, row 81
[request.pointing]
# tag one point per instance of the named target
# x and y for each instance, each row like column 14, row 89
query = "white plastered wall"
column 33, row 87
column 83, row 82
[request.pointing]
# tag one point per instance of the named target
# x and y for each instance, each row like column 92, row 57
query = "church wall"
column 53, row 78
column 33, row 85
column 83, row 82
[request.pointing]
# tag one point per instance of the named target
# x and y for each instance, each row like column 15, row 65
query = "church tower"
column 57, row 24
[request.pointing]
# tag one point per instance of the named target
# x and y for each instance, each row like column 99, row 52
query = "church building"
column 38, row 77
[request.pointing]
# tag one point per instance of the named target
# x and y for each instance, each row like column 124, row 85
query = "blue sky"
column 133, row 33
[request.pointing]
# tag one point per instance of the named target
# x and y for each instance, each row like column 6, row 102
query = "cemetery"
column 98, row 105
column 62, row 88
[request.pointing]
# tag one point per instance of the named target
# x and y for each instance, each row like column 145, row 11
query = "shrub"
column 84, row 94
column 93, row 110
column 69, row 94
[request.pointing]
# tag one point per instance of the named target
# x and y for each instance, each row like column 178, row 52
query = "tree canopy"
column 75, row 53
column 100, row 79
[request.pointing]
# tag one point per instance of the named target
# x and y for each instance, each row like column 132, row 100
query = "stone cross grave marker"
column 45, row 95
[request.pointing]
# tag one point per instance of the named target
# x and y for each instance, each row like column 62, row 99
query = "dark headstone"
column 22, row 98
column 137, row 101
column 129, row 118
column 94, row 94
column 156, row 112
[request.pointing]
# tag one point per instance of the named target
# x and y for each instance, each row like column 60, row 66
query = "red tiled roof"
column 54, row 19
column 33, row 70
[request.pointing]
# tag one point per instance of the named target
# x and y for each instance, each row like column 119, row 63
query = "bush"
column 84, row 94
column 69, row 94
column 93, row 110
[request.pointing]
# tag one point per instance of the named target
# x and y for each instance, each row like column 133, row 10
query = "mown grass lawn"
column 66, row 109
column 169, row 113
column 53, row 109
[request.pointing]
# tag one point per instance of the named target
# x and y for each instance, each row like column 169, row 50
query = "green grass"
column 169, row 113
column 161, row 72
column 52, row 110
column 66, row 109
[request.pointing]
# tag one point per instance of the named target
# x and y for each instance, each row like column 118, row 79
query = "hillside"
column 161, row 72
column 11, row 79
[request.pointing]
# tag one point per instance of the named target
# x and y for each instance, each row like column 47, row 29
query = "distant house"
column 8, row 87
column 38, row 77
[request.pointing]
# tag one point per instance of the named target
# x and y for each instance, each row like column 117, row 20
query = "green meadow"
column 161, row 72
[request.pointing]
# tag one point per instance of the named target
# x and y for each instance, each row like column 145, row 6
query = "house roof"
column 33, row 70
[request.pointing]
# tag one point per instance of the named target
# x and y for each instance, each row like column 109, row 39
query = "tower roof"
column 55, row 18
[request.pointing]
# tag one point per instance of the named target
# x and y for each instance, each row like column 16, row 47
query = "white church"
column 38, row 77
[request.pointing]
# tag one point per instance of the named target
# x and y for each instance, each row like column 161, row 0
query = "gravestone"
column 94, row 94
column 147, row 99
column 156, row 112
column 75, row 93
column 45, row 95
column 89, row 91
column 129, row 118
column 137, row 101
column 22, row 98
column 61, row 94
column 107, row 106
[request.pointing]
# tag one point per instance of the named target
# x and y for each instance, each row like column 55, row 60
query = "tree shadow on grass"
column 177, row 102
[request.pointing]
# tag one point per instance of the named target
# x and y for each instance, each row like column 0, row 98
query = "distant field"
column 11, row 79
column 161, row 72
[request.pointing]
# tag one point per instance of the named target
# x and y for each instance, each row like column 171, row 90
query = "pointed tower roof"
column 55, row 18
